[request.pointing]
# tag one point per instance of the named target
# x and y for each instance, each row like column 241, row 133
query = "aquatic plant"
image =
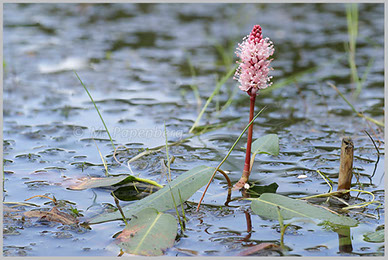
column 352, row 20
column 252, row 74
column 98, row 111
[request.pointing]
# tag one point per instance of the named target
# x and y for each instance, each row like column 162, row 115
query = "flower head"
column 254, row 53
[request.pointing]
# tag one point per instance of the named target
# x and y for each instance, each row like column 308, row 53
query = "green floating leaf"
column 187, row 184
column 375, row 237
column 149, row 233
column 268, row 203
column 268, row 144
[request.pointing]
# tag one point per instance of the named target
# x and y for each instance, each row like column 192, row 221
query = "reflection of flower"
column 254, row 53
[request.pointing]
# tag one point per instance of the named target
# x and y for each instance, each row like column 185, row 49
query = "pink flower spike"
column 254, row 53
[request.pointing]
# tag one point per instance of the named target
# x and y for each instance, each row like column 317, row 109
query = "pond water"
column 135, row 60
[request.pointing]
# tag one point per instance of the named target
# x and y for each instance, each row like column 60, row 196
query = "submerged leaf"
column 268, row 144
column 257, row 248
column 149, row 233
column 7, row 209
column 267, row 206
column 186, row 184
column 375, row 237
column 257, row 190
column 134, row 192
column 53, row 215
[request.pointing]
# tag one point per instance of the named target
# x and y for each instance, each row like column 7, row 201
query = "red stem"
column 247, row 165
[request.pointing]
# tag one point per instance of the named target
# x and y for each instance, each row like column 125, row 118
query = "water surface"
column 134, row 59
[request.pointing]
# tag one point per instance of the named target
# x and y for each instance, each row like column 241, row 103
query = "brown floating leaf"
column 53, row 215
column 253, row 249
column 9, row 209
column 187, row 251
column 96, row 182
column 149, row 233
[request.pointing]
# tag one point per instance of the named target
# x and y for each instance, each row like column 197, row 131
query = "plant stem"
column 119, row 208
column 247, row 169
column 282, row 228
column 168, row 158
column 346, row 166
column 94, row 103
column 149, row 182
column 217, row 88
column 360, row 114
column 226, row 157
column 250, row 133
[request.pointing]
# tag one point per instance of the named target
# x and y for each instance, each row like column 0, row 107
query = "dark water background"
column 134, row 60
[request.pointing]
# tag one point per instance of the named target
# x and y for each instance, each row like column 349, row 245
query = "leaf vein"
column 147, row 232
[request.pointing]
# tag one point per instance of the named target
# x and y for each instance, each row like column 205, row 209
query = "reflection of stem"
column 344, row 240
column 378, row 155
column 228, row 198
column 249, row 226
column 248, row 218
column 226, row 177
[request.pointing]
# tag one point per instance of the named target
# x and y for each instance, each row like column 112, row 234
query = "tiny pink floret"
column 254, row 53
